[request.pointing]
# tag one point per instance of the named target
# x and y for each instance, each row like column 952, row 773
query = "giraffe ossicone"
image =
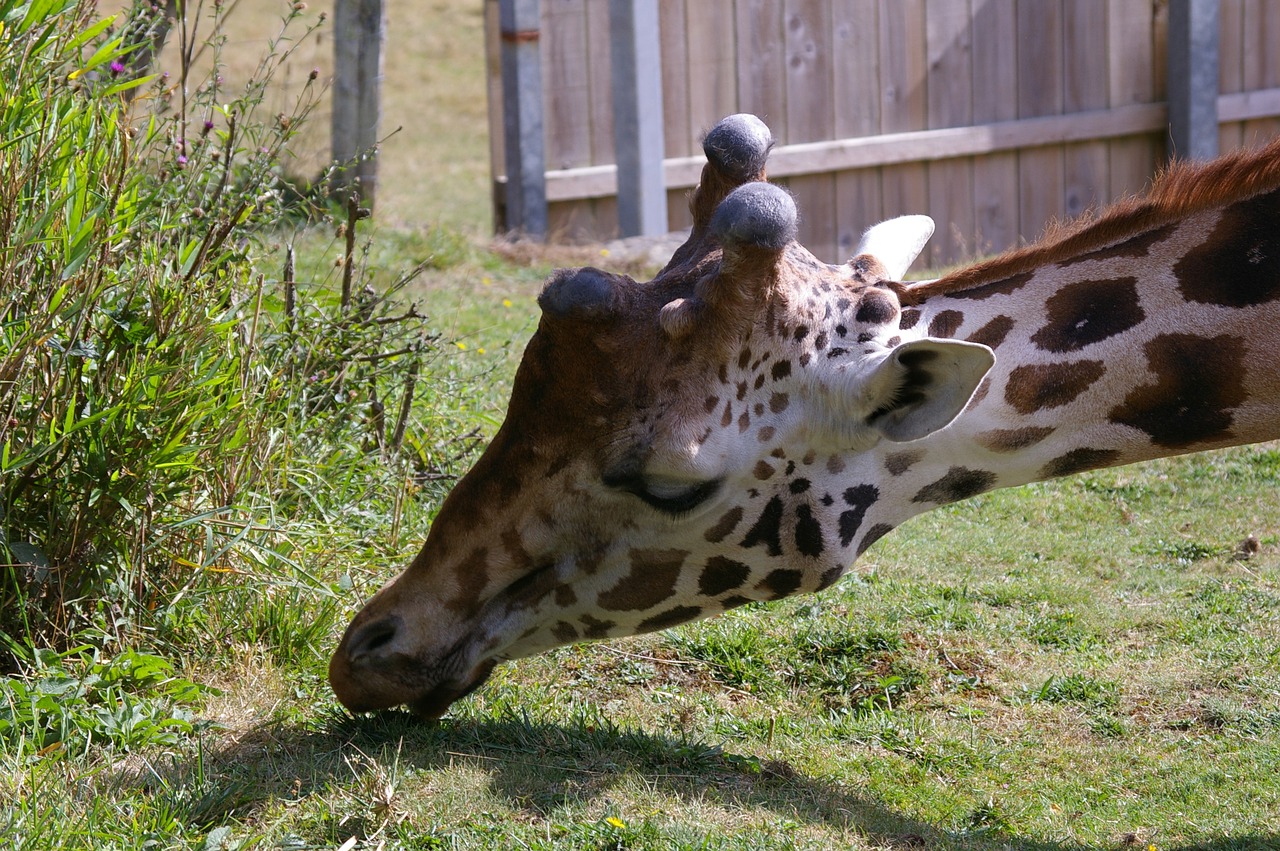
column 747, row 423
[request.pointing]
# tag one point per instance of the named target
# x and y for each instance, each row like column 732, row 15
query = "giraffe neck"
column 1159, row 343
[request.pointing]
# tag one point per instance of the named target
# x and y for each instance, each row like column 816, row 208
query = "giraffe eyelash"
column 679, row 502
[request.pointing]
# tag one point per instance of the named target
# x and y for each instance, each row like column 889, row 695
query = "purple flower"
column 182, row 160
column 117, row 67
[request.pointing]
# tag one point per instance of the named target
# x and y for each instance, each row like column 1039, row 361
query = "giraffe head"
column 672, row 449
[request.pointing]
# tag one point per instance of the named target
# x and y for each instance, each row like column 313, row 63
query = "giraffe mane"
column 1179, row 190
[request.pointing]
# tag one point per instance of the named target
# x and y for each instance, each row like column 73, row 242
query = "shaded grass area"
column 1108, row 680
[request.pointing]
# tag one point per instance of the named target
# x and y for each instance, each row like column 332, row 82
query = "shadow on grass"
column 539, row 767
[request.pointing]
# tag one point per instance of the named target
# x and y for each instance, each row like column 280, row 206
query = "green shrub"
column 163, row 378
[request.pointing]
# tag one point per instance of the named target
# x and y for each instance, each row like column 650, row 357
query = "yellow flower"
column 487, row 281
column 604, row 252
column 614, row 821
column 74, row 74
column 480, row 350
column 461, row 345
column 506, row 302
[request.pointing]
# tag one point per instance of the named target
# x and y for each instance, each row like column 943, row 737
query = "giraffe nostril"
column 372, row 639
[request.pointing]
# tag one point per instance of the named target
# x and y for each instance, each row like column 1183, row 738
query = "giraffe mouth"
column 437, row 701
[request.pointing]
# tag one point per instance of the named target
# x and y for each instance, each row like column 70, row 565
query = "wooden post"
column 359, row 32
column 519, row 25
column 1193, row 78
column 635, row 45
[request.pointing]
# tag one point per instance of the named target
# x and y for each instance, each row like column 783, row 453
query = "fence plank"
column 903, row 104
column 1040, row 90
column 678, row 138
column 1132, row 81
column 950, row 104
column 995, row 98
column 1086, row 165
column 493, row 84
column 1261, row 62
column 713, row 85
column 565, row 78
column 599, row 105
column 1193, row 78
column 810, row 116
column 856, row 100
column 890, row 149
column 1230, row 66
column 762, row 63
column 637, row 117
column 526, row 196
column 874, row 84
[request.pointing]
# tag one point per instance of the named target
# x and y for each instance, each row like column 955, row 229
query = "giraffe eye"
column 669, row 497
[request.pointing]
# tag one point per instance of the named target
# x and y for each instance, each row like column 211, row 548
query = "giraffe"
column 747, row 423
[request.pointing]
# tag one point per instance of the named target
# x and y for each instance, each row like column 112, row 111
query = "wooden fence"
column 993, row 116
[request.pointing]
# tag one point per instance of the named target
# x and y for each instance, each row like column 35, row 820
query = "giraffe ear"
column 895, row 243
column 921, row 386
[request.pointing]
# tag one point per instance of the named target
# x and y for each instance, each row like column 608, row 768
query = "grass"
column 1087, row 663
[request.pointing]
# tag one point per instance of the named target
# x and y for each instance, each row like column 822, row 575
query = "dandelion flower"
column 614, row 821
column 461, row 345
column 506, row 302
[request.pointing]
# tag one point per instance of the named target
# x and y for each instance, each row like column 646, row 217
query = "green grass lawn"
column 1088, row 663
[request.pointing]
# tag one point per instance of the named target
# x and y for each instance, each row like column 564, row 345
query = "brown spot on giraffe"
column 1239, row 265
column 1040, row 386
column 767, row 529
column 722, row 574
column 946, row 323
column 724, row 526
column 958, row 483
column 993, row 332
column 780, row 583
column 1077, row 461
column 671, row 617
column 652, row 579
column 593, row 627
column 898, row 463
column 1007, row 286
column 1198, row 383
column 1087, row 312
column 808, row 532
column 859, row 499
column 1133, row 247
column 1014, row 439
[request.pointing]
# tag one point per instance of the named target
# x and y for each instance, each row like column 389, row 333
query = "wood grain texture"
column 1086, row 165
column 995, row 98
column 1040, row 89
column 856, row 113
column 949, row 52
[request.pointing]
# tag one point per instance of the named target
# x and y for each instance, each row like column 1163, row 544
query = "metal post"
column 634, row 41
column 359, row 32
column 1193, row 78
column 519, row 23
